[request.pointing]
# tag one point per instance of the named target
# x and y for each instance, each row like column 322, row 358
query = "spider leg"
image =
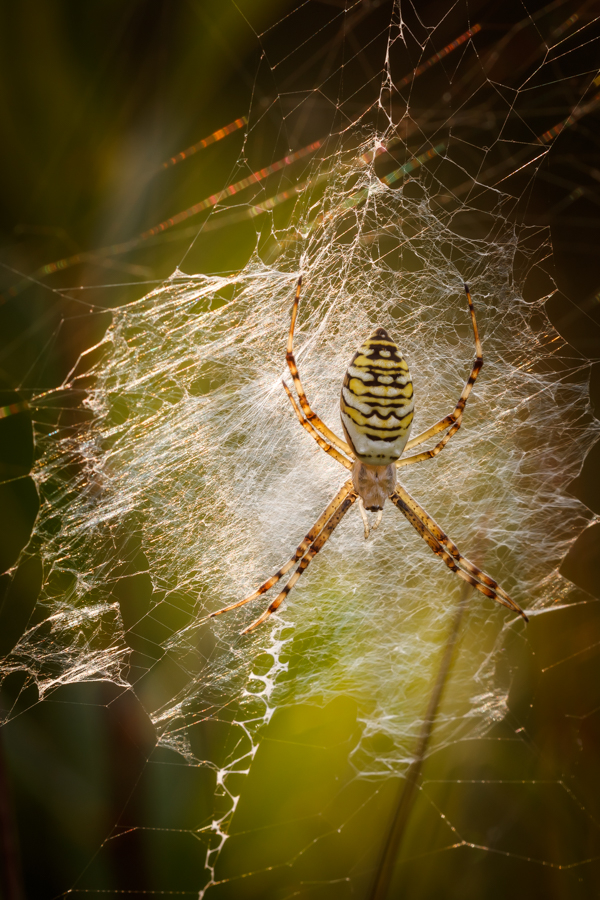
column 428, row 454
column 310, row 554
column 447, row 550
column 313, row 432
column 300, row 550
column 312, row 417
column 443, row 539
column 458, row 410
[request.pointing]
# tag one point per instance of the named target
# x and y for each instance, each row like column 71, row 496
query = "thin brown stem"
column 11, row 883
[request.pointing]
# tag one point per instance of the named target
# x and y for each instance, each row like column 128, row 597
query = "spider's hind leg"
column 447, row 550
column 300, row 550
column 310, row 554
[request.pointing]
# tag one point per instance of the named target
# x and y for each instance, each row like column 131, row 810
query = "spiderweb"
column 183, row 479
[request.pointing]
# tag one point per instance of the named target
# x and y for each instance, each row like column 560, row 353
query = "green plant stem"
column 408, row 789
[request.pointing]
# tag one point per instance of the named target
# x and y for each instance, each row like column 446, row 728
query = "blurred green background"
column 94, row 98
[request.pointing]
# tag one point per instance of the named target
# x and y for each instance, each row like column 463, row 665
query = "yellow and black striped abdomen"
column 377, row 401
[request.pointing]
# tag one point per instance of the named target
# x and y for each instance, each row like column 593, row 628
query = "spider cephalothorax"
column 377, row 411
column 373, row 484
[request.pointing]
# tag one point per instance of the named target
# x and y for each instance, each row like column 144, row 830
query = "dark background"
column 93, row 98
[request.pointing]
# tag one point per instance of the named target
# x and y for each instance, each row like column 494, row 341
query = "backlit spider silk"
column 193, row 470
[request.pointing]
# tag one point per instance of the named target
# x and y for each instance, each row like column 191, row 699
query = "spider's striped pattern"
column 377, row 411
column 377, row 405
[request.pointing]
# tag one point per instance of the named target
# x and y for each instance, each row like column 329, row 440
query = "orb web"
column 193, row 454
column 190, row 478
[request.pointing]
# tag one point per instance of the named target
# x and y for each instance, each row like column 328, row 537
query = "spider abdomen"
column 377, row 401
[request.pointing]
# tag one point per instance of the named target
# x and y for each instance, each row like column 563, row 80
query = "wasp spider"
column 377, row 410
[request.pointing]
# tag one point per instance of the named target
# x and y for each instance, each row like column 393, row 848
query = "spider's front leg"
column 454, row 419
column 317, row 424
column 313, row 432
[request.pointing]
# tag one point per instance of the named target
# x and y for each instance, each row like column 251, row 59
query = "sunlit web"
column 192, row 479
